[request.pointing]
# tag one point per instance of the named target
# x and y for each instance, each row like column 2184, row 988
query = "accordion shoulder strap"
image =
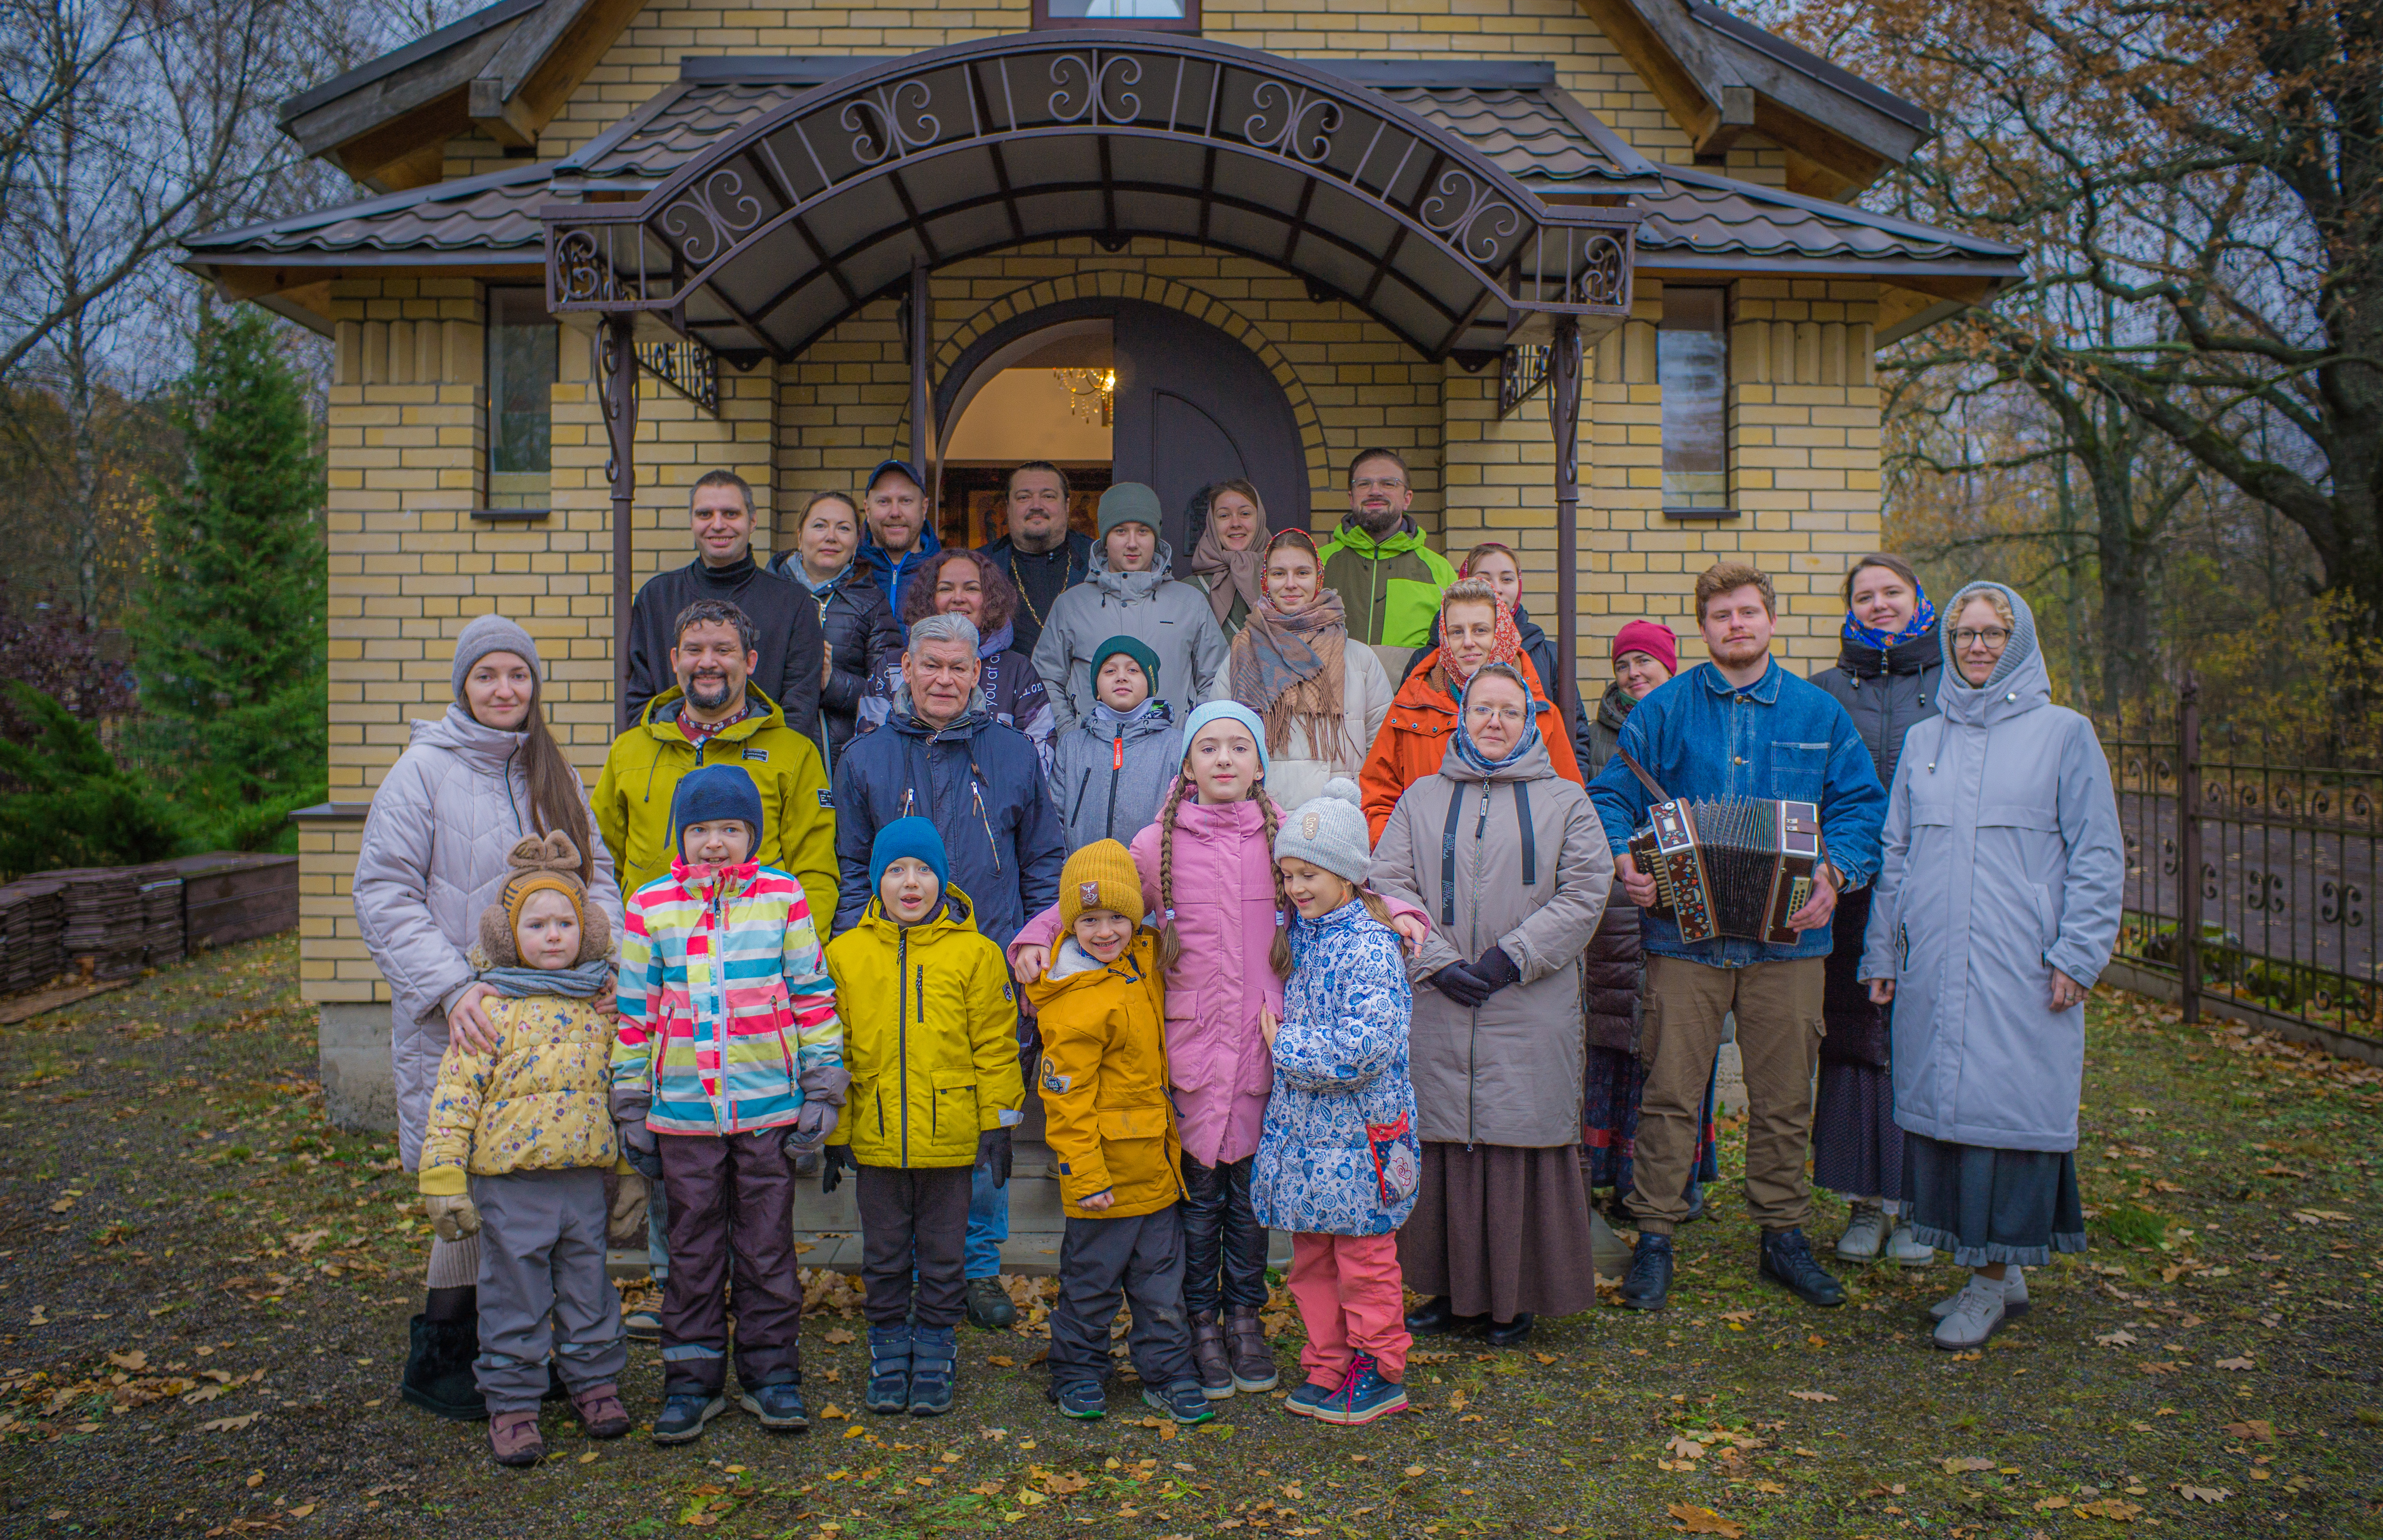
column 1529, row 836
column 1448, row 857
column 1654, row 787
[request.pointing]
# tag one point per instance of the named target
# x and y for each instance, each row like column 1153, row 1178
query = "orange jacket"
column 1415, row 737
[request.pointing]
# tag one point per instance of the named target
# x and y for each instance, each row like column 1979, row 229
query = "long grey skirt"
column 1502, row 1231
column 1987, row 1205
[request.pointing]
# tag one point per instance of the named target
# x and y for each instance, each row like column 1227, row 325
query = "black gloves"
column 1457, row 981
column 834, row 1160
column 992, row 1154
column 1495, row 969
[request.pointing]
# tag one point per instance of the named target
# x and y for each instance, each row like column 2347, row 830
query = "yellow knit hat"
column 1100, row 876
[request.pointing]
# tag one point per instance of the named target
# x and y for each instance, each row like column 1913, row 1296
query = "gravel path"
column 204, row 1293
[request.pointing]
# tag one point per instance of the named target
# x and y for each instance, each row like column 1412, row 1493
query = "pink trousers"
column 1352, row 1299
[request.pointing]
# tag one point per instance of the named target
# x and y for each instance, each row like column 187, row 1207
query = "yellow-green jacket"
column 930, row 1037
column 1389, row 588
column 642, row 771
column 537, row 1103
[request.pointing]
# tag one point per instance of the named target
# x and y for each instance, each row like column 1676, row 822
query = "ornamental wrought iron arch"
column 792, row 222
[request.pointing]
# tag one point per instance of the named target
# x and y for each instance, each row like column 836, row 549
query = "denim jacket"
column 1703, row 738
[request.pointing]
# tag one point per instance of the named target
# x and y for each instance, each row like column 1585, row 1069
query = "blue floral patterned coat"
column 1339, row 1154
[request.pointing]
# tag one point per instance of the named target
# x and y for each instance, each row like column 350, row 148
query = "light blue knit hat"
column 1233, row 709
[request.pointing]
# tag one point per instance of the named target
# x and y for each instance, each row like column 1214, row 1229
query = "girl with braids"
column 1208, row 877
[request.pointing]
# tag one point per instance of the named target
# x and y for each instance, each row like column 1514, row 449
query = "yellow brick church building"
column 600, row 246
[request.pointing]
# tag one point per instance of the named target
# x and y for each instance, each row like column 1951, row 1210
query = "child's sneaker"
column 512, row 1438
column 934, row 1356
column 1308, row 1400
column 1182, row 1401
column 889, row 1368
column 1085, row 1400
column 684, row 1416
column 1363, row 1396
column 779, row 1406
column 644, row 1324
column 601, row 1410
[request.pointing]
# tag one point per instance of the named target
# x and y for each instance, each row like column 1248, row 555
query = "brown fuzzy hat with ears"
column 542, row 862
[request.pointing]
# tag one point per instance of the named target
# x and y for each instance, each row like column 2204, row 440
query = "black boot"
column 1786, row 1258
column 438, row 1370
column 1648, row 1283
column 1509, row 1334
column 1439, row 1316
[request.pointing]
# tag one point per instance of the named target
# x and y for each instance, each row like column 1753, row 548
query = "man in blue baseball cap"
column 901, row 527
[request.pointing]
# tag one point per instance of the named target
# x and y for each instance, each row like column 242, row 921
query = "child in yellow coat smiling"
column 1102, row 1013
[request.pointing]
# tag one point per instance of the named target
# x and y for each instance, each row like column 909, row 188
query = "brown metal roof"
column 1538, row 133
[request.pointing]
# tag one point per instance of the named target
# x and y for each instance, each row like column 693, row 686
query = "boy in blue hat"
column 934, row 1056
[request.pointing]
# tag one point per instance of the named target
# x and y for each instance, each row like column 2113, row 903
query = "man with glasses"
column 943, row 758
column 1040, row 556
column 1388, row 580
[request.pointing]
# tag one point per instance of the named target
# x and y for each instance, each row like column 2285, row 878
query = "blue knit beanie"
column 1203, row 715
column 713, row 792
column 910, row 836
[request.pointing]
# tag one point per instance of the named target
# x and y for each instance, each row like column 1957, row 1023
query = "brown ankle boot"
column 1245, row 1346
column 1209, row 1364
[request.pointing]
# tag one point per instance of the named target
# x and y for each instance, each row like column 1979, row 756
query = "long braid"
column 1170, row 940
column 1280, row 953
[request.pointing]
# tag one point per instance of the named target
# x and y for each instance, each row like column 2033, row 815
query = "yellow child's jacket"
column 537, row 1103
column 930, row 1037
column 1105, row 1080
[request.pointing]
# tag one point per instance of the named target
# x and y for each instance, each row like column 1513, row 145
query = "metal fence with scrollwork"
column 2251, row 875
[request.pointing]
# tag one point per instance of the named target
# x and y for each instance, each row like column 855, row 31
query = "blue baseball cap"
column 884, row 465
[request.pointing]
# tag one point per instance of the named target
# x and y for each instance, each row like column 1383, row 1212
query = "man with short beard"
column 901, row 528
column 1738, row 727
column 941, row 756
column 1040, row 556
column 1388, row 580
column 711, row 717
column 787, row 643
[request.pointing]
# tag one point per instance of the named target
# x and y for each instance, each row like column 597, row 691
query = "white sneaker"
column 2014, row 1297
column 1905, row 1247
column 1864, row 1234
column 1976, row 1311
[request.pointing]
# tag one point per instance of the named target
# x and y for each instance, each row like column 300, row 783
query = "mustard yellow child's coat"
column 538, row 1104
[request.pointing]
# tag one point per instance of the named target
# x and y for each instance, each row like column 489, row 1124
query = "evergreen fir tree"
column 230, row 627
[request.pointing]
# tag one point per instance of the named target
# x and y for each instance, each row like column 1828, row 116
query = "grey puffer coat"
column 1884, row 691
column 433, row 858
column 1508, row 1073
column 2003, row 860
column 1110, row 773
column 1172, row 618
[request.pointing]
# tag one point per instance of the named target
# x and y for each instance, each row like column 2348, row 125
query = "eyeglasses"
column 1993, row 637
column 1508, row 714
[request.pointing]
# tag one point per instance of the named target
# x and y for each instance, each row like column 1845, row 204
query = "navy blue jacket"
column 981, row 785
column 892, row 576
column 1702, row 738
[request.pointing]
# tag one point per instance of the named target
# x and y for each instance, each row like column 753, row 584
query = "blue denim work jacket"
column 1781, row 737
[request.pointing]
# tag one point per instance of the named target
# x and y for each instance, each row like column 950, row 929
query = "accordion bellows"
column 1734, row 867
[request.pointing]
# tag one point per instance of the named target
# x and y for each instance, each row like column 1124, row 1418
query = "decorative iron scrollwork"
column 1480, row 200
column 1605, row 275
column 1095, row 70
column 1287, row 139
column 584, row 275
column 1522, row 374
column 888, row 135
column 2338, row 905
column 687, row 367
column 725, row 209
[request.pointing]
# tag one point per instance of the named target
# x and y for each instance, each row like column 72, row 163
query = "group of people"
column 1277, row 944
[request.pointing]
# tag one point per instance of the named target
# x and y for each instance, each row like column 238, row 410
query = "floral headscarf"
column 1505, row 647
column 1291, row 669
column 1465, row 749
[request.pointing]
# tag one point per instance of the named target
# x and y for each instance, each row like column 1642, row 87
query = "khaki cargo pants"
column 1779, row 1028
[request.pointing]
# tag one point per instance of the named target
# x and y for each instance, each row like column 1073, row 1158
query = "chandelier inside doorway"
column 1092, row 393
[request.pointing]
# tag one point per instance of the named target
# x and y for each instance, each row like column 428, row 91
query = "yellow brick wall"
column 646, row 57
column 409, row 567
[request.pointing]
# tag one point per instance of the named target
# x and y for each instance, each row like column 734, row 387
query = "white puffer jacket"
column 433, row 858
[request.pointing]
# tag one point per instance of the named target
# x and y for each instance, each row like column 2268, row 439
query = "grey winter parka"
column 432, row 858
column 1508, row 1073
column 1170, row 618
column 1111, row 772
column 2003, row 860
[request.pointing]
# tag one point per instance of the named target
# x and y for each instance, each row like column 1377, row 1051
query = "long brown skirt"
column 1502, row 1231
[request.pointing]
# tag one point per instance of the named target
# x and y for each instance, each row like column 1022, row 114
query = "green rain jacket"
column 1390, row 587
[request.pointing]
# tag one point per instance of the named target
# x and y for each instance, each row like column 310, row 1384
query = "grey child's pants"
column 542, row 1286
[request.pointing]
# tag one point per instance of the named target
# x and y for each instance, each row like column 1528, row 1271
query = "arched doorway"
column 1192, row 405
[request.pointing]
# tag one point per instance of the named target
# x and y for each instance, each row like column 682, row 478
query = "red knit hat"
column 1651, row 637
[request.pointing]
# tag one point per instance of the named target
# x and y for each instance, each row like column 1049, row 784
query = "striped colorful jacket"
column 726, row 1001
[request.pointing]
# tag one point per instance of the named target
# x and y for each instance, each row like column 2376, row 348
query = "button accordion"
column 1732, row 867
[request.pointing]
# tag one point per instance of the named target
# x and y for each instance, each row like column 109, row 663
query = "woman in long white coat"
column 1996, row 905
column 1321, row 699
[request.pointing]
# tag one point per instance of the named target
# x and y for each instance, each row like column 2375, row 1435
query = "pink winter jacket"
column 1225, row 914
